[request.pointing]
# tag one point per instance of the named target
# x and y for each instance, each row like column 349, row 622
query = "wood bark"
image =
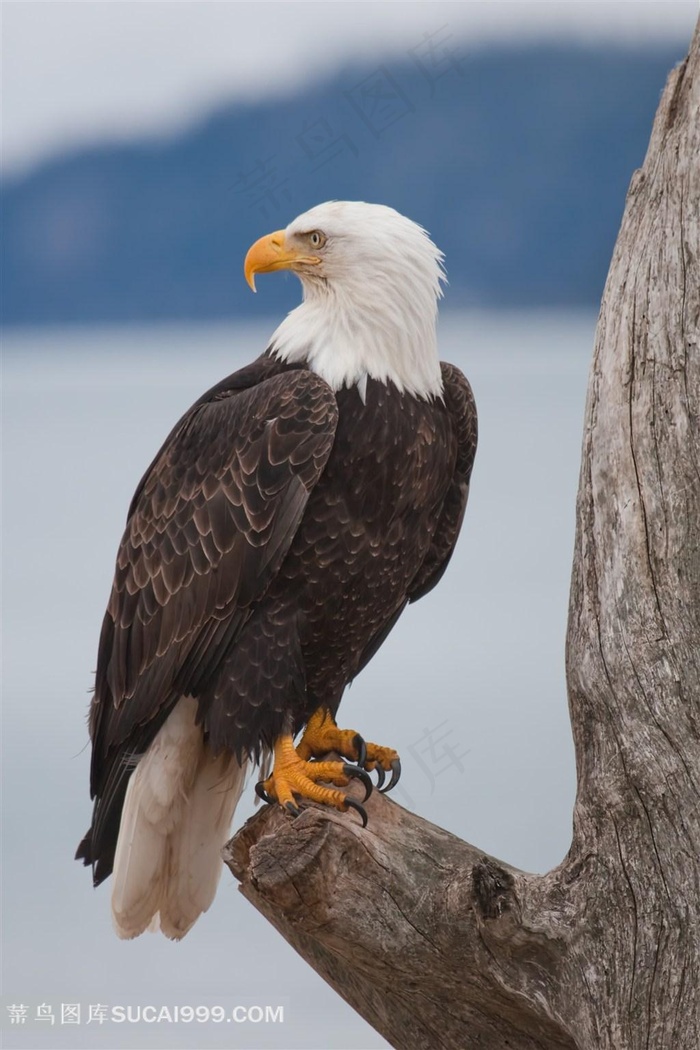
column 437, row 945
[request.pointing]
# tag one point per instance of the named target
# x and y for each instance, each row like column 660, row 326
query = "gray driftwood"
column 437, row 945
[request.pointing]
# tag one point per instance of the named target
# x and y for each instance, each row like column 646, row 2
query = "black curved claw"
column 381, row 776
column 360, row 774
column 291, row 808
column 395, row 775
column 351, row 804
column 262, row 793
column 361, row 748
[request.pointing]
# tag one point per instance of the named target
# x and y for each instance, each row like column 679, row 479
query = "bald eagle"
column 274, row 541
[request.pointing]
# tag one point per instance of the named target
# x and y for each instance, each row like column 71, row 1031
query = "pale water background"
column 469, row 687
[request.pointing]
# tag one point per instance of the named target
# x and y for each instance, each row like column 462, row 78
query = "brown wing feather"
column 461, row 406
column 208, row 529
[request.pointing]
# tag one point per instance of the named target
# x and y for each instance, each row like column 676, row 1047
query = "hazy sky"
column 76, row 71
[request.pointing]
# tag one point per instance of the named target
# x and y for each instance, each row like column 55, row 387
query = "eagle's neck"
column 347, row 338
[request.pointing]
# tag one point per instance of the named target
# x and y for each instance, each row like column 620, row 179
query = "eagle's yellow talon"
column 323, row 735
column 294, row 777
column 380, row 757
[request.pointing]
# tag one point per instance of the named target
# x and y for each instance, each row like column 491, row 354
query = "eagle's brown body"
column 269, row 549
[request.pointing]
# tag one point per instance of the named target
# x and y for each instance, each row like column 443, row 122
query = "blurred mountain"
column 516, row 160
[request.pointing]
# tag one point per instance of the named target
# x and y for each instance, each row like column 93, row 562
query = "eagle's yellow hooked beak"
column 273, row 253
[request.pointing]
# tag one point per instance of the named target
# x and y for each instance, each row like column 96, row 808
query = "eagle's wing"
column 461, row 407
column 208, row 529
column 460, row 403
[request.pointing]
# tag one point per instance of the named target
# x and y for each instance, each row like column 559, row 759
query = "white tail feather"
column 177, row 813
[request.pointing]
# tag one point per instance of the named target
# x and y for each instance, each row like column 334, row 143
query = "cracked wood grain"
column 437, row 945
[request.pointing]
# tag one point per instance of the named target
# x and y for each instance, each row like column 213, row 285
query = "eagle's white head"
column 371, row 281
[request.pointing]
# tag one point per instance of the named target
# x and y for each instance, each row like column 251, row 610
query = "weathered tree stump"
column 437, row 945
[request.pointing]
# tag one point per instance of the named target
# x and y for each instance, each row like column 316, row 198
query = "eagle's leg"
column 323, row 735
column 292, row 776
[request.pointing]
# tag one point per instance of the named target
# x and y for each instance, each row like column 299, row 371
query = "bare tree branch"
column 437, row 945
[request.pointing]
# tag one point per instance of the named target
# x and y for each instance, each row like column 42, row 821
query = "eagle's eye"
column 317, row 239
